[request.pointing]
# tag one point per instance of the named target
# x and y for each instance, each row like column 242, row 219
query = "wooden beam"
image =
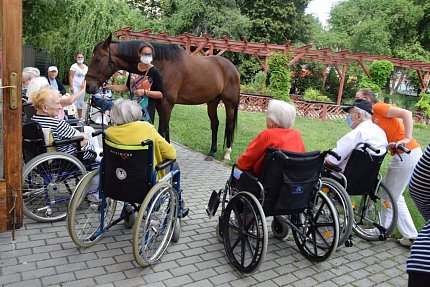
column 342, row 82
column 363, row 66
column 295, row 59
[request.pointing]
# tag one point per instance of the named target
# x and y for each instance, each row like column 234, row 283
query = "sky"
column 321, row 9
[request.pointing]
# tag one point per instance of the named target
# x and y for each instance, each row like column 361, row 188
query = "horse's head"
column 101, row 66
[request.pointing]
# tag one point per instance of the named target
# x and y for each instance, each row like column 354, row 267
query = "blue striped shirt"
column 419, row 186
column 61, row 130
column 419, row 261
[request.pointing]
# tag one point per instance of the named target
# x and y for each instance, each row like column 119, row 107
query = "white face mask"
column 146, row 59
column 80, row 61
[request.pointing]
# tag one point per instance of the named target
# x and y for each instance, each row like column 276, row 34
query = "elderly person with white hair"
column 28, row 73
column 128, row 129
column 279, row 134
column 359, row 118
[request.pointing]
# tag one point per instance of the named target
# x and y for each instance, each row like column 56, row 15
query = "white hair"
column 35, row 85
column 363, row 113
column 29, row 73
column 125, row 111
column 281, row 113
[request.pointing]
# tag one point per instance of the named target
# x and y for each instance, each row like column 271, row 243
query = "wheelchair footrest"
column 213, row 203
column 184, row 212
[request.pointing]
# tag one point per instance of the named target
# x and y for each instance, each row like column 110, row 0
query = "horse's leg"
column 213, row 116
column 164, row 112
column 230, row 125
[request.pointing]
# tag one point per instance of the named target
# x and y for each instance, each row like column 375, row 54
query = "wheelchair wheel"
column 342, row 202
column 85, row 212
column 129, row 221
column 48, row 181
column 279, row 228
column 244, row 232
column 155, row 224
column 369, row 222
column 318, row 229
column 218, row 233
column 177, row 231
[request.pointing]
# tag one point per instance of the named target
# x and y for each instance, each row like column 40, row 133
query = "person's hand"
column 71, row 89
column 403, row 142
column 67, row 95
column 109, row 87
column 139, row 92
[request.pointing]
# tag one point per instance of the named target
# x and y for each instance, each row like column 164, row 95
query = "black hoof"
column 209, row 158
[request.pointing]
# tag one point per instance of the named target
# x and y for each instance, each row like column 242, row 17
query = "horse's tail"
column 236, row 110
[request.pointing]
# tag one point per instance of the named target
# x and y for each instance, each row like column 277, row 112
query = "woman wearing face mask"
column 77, row 81
column 144, row 82
column 359, row 118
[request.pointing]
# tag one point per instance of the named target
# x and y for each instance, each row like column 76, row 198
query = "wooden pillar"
column 342, row 82
column 324, row 77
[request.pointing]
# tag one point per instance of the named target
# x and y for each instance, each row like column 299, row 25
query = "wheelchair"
column 49, row 177
column 288, row 188
column 127, row 174
column 362, row 182
column 95, row 114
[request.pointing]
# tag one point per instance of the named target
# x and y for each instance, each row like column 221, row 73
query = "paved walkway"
column 44, row 255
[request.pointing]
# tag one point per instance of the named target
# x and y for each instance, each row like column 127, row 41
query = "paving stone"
column 198, row 259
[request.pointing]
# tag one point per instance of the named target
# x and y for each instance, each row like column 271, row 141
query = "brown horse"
column 187, row 79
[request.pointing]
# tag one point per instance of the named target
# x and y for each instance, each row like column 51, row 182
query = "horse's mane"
column 162, row 51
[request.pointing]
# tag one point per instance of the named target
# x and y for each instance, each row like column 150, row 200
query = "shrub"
column 314, row 95
column 423, row 105
column 279, row 77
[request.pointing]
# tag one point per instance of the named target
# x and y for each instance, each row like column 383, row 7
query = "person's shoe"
column 407, row 242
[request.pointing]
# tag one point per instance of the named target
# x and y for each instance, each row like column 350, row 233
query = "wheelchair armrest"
column 72, row 121
column 165, row 163
column 332, row 167
column 68, row 141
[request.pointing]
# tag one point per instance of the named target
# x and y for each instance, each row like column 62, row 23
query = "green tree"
column 216, row 18
column 277, row 20
column 87, row 23
column 279, row 77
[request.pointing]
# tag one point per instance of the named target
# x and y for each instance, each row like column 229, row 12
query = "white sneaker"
column 407, row 242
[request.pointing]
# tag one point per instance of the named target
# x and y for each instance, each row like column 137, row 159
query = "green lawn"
column 190, row 126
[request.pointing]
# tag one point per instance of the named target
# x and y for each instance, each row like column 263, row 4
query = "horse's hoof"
column 209, row 158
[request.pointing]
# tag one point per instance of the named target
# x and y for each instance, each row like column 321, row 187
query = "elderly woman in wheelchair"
column 138, row 168
column 275, row 177
column 49, row 178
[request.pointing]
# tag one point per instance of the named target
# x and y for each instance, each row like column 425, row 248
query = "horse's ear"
column 107, row 41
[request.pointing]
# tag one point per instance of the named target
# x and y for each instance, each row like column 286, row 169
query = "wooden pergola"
column 340, row 60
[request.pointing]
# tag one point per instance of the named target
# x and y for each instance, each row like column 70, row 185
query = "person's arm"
column 408, row 122
column 117, row 88
column 85, row 140
column 71, row 76
column 70, row 99
column 255, row 150
column 148, row 93
column 61, row 87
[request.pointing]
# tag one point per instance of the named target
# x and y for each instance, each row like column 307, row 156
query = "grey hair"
column 125, row 111
column 363, row 113
column 35, row 85
column 32, row 70
column 29, row 73
column 281, row 113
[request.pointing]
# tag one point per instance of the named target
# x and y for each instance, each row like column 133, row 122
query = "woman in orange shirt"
column 279, row 134
column 401, row 167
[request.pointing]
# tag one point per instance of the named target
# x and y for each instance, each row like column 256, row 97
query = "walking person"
column 401, row 165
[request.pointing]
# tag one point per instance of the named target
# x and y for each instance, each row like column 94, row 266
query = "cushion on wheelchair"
column 289, row 180
column 362, row 171
column 127, row 171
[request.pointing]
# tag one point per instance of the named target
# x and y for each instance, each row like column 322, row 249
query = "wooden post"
column 11, row 135
column 342, row 82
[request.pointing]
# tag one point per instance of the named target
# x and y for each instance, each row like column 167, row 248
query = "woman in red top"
column 279, row 134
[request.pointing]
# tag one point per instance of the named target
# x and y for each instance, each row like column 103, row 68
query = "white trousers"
column 398, row 176
column 93, row 141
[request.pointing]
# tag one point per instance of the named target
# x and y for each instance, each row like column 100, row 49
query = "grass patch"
column 190, row 126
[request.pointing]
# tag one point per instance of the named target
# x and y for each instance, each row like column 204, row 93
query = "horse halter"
column 111, row 65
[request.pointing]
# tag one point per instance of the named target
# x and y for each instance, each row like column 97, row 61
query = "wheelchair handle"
column 399, row 147
column 334, row 154
column 146, row 142
column 365, row 146
column 96, row 133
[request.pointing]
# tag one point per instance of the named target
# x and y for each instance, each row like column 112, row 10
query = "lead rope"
column 14, row 197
